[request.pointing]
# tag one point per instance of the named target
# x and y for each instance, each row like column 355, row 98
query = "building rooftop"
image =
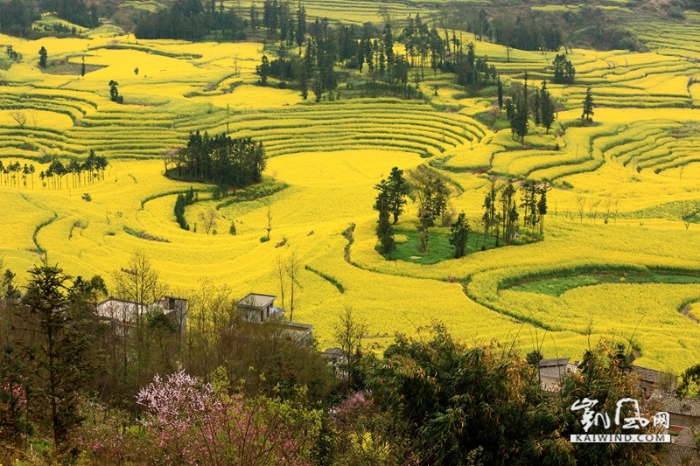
column 554, row 362
column 256, row 300
column 672, row 404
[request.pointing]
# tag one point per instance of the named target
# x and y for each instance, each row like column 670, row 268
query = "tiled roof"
column 673, row 404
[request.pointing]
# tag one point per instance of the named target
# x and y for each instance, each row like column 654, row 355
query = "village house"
column 123, row 313
column 651, row 380
column 260, row 308
column 552, row 370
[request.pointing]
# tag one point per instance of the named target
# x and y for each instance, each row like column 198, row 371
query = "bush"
column 264, row 239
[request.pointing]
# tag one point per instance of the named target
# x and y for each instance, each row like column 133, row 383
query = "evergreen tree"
column 114, row 92
column 500, row 93
column 519, row 122
column 301, row 25
column 398, row 189
column 542, row 204
column 264, row 70
column 388, row 45
column 61, row 357
column 546, row 107
column 385, row 232
column 510, row 109
column 587, row 107
column 460, row 233
column 82, row 68
column 43, row 54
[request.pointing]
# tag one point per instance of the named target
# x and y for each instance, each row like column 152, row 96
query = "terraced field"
column 637, row 166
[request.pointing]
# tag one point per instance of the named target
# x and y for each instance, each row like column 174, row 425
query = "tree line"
column 360, row 48
column 143, row 390
column 222, row 160
column 17, row 16
column 189, row 20
column 81, row 173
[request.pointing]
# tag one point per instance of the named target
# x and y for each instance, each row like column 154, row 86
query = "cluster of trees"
column 74, row 11
column 353, row 47
column 189, row 20
column 278, row 15
column 501, row 221
column 221, row 160
column 433, row 196
column 18, row 15
column 90, row 170
column 13, row 172
column 522, row 105
column 12, row 54
column 444, row 403
column 390, row 201
column 564, row 71
column 520, row 33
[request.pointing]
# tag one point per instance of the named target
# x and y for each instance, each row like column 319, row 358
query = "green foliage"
column 449, row 402
column 221, row 160
column 564, row 71
column 61, row 363
column 114, row 92
column 384, row 230
column 328, row 278
column 460, row 234
column 42, row 57
column 587, row 106
column 452, row 400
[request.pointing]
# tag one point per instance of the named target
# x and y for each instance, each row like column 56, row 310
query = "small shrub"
column 86, row 197
column 232, row 228
column 264, row 239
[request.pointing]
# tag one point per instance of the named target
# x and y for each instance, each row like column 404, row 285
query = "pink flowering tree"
column 188, row 422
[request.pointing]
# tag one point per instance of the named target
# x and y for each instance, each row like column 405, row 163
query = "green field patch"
column 439, row 247
column 556, row 286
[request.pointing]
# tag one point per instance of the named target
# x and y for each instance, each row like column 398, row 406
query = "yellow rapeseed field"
column 637, row 165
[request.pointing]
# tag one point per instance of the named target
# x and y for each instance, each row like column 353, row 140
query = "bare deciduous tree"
column 580, row 205
column 138, row 283
column 593, row 209
column 20, row 117
column 349, row 332
column 269, row 220
column 686, row 213
column 293, row 265
column 209, row 219
column 280, row 275
column 606, row 205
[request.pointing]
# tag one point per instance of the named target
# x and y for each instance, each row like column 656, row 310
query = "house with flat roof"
column 552, row 370
column 124, row 313
column 256, row 307
column 260, row 308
